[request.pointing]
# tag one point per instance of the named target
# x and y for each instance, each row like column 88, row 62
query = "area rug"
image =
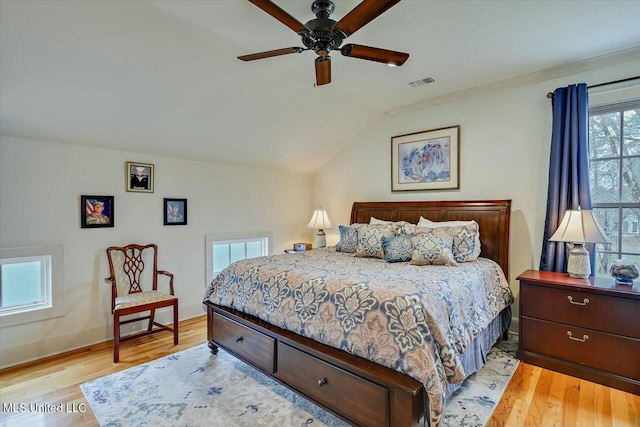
column 194, row 388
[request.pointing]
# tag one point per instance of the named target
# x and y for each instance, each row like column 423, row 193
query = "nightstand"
column 587, row 328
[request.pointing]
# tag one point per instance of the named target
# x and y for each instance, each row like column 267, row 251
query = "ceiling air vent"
column 421, row 82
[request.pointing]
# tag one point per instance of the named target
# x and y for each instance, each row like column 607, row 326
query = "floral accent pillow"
column 466, row 242
column 433, row 247
column 348, row 238
column 404, row 227
column 398, row 248
column 401, row 227
column 466, row 237
column 370, row 240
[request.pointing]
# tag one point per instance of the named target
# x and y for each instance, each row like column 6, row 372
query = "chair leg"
column 175, row 323
column 116, row 337
column 152, row 316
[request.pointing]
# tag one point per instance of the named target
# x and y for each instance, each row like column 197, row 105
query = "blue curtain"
column 568, row 170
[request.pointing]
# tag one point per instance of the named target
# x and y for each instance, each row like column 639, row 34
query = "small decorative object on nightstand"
column 302, row 247
column 579, row 227
column 320, row 221
column 624, row 271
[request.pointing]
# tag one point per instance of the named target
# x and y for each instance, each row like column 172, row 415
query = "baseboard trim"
column 10, row 357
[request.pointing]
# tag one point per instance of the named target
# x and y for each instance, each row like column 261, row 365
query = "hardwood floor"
column 539, row 397
column 56, row 380
column 534, row 397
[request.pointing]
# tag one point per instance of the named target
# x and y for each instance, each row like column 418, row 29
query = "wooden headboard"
column 491, row 215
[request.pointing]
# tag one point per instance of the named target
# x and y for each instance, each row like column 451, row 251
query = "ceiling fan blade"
column 389, row 57
column 323, row 70
column 282, row 16
column 362, row 14
column 270, row 53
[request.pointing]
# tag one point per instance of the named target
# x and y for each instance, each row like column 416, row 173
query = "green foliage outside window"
column 614, row 151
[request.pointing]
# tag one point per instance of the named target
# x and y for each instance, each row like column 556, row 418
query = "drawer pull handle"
column 583, row 339
column 585, row 302
column 322, row 382
column 240, row 338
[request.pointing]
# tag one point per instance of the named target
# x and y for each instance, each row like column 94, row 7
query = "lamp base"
column 578, row 265
column 321, row 239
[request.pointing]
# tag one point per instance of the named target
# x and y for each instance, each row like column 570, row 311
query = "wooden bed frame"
column 356, row 390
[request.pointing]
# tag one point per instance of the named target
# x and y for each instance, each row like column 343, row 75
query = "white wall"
column 504, row 154
column 40, row 188
column 505, row 137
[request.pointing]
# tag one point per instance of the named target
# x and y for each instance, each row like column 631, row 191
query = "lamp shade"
column 579, row 226
column 319, row 220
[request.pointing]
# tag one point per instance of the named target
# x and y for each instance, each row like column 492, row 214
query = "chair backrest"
column 127, row 264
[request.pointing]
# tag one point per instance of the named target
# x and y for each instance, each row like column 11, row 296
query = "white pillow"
column 424, row 222
column 376, row 221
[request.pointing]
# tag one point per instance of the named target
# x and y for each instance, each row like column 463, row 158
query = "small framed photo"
column 96, row 211
column 175, row 211
column 139, row 177
column 428, row 160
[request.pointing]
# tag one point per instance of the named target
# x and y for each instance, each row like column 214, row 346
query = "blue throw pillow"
column 348, row 239
column 398, row 248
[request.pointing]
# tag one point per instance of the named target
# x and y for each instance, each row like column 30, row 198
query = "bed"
column 394, row 358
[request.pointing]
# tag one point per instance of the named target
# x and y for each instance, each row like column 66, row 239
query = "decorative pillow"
column 404, row 227
column 433, row 247
column 466, row 242
column 370, row 240
column 464, row 249
column 348, row 238
column 398, row 248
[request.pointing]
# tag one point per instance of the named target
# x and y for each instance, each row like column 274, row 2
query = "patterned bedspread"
column 415, row 319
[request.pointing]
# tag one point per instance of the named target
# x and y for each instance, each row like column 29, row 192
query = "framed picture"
column 139, row 177
column 175, row 211
column 96, row 211
column 428, row 160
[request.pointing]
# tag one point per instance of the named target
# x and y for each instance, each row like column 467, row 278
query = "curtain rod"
column 550, row 94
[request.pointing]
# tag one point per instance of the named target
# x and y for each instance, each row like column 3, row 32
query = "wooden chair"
column 127, row 272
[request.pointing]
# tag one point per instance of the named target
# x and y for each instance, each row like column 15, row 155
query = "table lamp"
column 579, row 227
column 320, row 221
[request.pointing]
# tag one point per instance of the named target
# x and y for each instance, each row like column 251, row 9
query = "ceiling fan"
column 323, row 34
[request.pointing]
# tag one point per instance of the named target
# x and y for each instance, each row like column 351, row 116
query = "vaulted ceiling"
column 162, row 77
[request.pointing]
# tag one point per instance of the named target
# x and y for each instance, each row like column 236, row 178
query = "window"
column 225, row 249
column 614, row 151
column 31, row 286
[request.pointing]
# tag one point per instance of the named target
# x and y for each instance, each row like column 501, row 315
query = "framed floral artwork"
column 427, row 160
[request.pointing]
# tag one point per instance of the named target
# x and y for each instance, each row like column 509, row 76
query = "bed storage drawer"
column 365, row 404
column 244, row 342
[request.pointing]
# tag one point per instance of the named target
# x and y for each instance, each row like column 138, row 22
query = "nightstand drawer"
column 583, row 309
column 602, row 351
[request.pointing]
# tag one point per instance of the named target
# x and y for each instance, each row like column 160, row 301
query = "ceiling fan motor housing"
column 322, row 38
